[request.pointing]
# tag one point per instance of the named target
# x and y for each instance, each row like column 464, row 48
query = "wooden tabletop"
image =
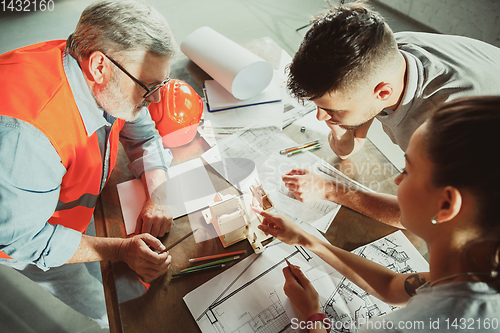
column 134, row 308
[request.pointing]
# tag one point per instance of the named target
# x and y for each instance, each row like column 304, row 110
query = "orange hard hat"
column 178, row 113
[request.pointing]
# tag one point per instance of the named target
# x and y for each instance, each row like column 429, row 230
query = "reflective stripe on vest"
column 51, row 108
column 87, row 200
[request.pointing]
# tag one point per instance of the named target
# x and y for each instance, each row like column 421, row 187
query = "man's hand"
column 304, row 297
column 346, row 142
column 281, row 227
column 155, row 219
column 307, row 186
column 341, row 140
column 137, row 253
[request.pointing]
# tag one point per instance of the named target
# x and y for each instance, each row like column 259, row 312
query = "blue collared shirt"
column 31, row 174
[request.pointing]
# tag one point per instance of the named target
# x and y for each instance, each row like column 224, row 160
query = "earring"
column 433, row 220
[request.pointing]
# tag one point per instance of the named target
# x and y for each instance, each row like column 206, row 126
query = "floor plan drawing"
column 343, row 301
column 272, row 317
column 243, row 299
column 246, row 299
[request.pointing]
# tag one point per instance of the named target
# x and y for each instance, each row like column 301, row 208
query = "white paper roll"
column 238, row 70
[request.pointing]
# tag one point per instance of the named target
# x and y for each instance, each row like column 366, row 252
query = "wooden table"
column 161, row 308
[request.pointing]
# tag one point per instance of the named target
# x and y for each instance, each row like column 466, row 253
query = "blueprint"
column 248, row 297
column 342, row 301
column 254, row 153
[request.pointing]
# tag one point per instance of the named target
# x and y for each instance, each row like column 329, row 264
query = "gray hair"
column 124, row 25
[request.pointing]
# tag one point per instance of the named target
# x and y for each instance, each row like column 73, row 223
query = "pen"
column 316, row 146
column 294, row 276
column 210, row 264
column 215, row 256
column 180, row 240
column 304, row 145
column 198, row 270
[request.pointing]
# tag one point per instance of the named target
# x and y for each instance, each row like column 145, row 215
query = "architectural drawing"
column 254, row 153
column 390, row 252
column 245, row 299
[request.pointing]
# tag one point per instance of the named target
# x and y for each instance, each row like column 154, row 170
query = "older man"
column 65, row 106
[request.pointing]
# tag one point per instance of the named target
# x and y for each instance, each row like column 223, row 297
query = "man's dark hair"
column 346, row 46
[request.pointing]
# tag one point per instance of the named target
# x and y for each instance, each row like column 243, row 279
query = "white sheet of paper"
column 249, row 294
column 244, row 291
column 189, row 189
column 220, row 99
column 402, row 257
column 238, row 70
column 230, row 121
column 132, row 198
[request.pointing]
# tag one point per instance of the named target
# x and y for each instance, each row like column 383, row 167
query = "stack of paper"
column 219, row 99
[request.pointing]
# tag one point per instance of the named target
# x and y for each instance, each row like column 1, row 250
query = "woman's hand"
column 280, row 226
column 300, row 291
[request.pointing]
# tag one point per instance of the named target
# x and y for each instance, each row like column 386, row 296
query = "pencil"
column 215, row 256
column 312, row 147
column 198, row 270
column 180, row 240
column 304, row 145
column 210, row 264
column 294, row 276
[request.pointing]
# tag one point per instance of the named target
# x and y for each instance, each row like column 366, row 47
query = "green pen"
column 210, row 264
column 316, row 146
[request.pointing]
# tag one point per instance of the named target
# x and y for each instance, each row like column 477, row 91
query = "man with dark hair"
column 65, row 105
column 352, row 66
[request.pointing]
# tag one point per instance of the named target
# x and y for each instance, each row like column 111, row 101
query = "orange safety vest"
column 34, row 88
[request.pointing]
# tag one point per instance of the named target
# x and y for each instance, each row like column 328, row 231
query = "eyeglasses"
column 149, row 91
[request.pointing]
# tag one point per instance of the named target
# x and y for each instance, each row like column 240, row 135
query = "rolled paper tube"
column 238, row 70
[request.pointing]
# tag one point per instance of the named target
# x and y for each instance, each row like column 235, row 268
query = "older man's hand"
column 139, row 253
column 155, row 219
